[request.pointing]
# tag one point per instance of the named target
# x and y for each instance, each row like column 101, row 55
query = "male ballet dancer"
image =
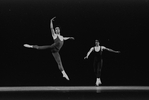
column 55, row 47
column 98, row 61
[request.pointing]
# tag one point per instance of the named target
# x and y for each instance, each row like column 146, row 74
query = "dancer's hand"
column 53, row 18
column 28, row 46
column 86, row 57
column 72, row 38
column 117, row 51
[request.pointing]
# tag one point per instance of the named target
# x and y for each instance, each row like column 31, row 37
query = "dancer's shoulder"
column 54, row 36
column 92, row 48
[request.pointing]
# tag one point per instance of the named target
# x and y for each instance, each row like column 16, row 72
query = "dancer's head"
column 97, row 43
column 57, row 30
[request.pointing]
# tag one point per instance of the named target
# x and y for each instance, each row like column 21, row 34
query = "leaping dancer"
column 98, row 61
column 55, row 47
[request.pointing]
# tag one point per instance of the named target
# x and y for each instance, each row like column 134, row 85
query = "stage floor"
column 74, row 88
column 75, row 93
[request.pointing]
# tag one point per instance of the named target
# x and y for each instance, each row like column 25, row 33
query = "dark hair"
column 96, row 41
column 57, row 27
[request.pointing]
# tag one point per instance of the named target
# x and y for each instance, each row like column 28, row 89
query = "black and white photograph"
column 74, row 49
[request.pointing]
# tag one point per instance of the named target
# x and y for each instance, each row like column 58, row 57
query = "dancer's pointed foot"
column 28, row 46
column 65, row 75
column 98, row 82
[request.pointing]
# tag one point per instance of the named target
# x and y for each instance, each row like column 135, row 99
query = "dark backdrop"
column 118, row 24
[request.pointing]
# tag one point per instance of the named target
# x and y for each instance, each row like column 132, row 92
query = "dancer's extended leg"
column 59, row 62
column 39, row 47
column 44, row 47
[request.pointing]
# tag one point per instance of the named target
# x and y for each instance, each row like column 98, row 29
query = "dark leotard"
column 56, row 46
column 97, row 55
column 97, row 62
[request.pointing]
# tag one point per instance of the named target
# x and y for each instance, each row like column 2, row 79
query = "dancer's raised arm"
column 51, row 26
column 66, row 38
column 89, row 53
column 110, row 49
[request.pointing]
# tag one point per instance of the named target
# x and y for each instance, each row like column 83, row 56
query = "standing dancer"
column 98, row 61
column 55, row 47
